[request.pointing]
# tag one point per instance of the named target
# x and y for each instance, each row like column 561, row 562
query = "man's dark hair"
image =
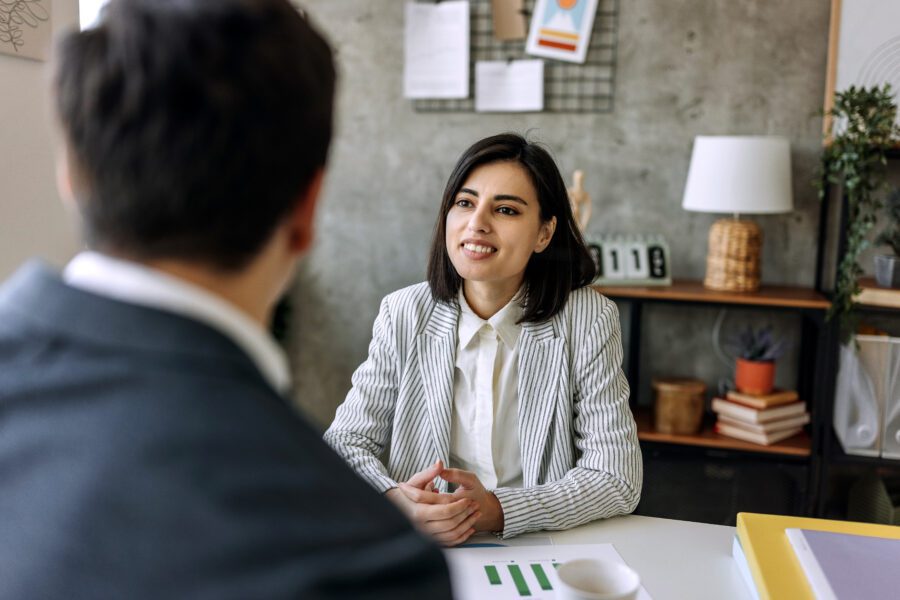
column 563, row 266
column 194, row 126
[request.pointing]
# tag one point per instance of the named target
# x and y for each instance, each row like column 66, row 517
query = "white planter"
column 887, row 270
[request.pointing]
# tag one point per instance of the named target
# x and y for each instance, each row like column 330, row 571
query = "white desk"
column 675, row 559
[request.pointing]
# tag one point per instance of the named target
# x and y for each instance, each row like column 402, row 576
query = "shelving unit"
column 799, row 445
column 709, row 451
column 839, row 469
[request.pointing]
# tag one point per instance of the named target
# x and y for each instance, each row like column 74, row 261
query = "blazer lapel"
column 541, row 381
column 437, row 353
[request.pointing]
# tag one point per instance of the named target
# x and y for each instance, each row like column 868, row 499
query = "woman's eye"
column 463, row 203
column 506, row 210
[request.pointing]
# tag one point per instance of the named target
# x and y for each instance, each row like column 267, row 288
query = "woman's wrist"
column 493, row 513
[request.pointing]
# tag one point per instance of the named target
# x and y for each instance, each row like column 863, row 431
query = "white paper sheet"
column 436, row 50
column 504, row 86
column 470, row 578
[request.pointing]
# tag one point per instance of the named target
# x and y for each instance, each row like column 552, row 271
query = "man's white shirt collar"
column 134, row 283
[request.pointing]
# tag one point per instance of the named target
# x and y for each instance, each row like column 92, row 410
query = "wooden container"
column 678, row 405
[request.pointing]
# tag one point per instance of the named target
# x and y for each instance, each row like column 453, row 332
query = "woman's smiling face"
column 494, row 225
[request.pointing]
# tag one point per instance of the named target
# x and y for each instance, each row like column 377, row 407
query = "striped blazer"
column 580, row 455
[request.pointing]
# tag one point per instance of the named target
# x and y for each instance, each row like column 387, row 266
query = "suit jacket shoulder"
column 144, row 456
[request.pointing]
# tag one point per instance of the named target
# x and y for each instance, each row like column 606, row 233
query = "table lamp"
column 737, row 175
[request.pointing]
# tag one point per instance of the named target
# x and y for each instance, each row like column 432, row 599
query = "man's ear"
column 302, row 218
column 64, row 184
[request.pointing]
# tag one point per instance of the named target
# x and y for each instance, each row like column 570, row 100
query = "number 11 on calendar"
column 631, row 260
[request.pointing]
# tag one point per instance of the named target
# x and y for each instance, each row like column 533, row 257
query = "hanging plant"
column 862, row 131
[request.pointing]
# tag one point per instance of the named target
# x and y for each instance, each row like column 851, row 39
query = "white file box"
column 890, row 438
column 866, row 403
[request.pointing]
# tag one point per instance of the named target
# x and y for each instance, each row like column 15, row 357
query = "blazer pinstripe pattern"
column 580, row 455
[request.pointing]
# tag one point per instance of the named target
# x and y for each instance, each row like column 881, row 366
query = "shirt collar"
column 138, row 284
column 504, row 321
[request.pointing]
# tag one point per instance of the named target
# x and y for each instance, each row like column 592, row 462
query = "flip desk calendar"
column 631, row 259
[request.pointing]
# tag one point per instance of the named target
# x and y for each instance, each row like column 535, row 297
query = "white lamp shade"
column 89, row 12
column 739, row 174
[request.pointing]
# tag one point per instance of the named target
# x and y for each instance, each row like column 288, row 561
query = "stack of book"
column 760, row 419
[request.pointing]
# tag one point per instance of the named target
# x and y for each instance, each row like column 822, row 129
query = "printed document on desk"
column 516, row 572
column 509, row 86
column 844, row 566
column 436, row 50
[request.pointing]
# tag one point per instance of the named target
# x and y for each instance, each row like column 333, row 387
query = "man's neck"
column 244, row 289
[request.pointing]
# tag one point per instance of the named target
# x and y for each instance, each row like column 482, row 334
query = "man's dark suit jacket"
column 142, row 455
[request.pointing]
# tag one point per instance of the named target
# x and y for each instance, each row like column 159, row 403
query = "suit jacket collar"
column 36, row 295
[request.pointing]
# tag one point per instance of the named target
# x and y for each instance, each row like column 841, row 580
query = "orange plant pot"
column 752, row 377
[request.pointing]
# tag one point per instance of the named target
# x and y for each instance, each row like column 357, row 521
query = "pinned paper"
column 436, row 51
column 514, row 86
column 561, row 29
column 509, row 19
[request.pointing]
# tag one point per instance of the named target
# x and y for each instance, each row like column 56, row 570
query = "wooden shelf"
column 799, row 445
column 872, row 295
column 693, row 291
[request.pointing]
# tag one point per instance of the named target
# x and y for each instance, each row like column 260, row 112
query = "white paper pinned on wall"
column 509, row 86
column 436, row 51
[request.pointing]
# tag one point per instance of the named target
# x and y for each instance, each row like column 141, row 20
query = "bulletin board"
column 568, row 87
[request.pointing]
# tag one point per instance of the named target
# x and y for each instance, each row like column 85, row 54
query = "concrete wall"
column 686, row 67
column 33, row 222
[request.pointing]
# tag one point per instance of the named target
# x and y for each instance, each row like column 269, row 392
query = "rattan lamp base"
column 732, row 263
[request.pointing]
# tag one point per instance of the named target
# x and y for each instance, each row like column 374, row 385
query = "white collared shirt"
column 484, row 430
column 134, row 283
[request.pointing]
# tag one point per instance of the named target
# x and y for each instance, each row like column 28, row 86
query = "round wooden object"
column 732, row 263
column 678, row 407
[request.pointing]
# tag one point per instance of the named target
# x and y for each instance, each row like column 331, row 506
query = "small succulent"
column 758, row 345
column 890, row 235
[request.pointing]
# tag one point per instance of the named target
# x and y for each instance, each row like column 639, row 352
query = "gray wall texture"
column 685, row 68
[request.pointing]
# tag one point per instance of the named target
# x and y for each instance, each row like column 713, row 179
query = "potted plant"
column 756, row 351
column 887, row 266
column 855, row 158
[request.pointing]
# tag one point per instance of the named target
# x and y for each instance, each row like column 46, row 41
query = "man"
column 146, row 446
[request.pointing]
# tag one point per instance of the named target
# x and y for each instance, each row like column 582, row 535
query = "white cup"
column 592, row 579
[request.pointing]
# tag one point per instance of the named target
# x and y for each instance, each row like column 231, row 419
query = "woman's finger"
column 445, row 525
column 420, row 479
column 457, row 530
column 426, row 513
column 464, row 478
column 425, row 497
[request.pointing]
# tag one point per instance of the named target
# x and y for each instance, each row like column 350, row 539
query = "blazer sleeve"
column 362, row 426
column 606, row 480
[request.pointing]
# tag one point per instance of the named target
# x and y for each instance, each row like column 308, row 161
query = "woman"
column 503, row 366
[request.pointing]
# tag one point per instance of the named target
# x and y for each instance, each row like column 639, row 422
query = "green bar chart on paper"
column 516, row 572
column 514, row 577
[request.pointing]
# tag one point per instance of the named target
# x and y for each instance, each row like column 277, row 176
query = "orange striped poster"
column 561, row 29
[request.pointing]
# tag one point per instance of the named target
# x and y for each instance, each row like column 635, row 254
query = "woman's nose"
column 480, row 221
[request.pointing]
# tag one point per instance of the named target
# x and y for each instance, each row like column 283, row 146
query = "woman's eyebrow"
column 497, row 198
column 510, row 197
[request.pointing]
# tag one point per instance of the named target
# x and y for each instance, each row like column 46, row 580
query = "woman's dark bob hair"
column 563, row 266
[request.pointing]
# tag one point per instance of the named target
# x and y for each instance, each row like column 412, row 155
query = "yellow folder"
column 771, row 559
